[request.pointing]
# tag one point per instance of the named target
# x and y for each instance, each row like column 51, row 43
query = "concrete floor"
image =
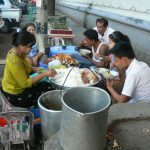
column 133, row 135
column 129, row 125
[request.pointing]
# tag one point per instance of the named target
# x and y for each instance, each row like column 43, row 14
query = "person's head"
column 30, row 27
column 116, row 37
column 91, row 37
column 124, row 54
column 101, row 24
column 23, row 41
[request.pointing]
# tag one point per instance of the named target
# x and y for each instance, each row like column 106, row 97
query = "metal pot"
column 84, row 119
column 51, row 106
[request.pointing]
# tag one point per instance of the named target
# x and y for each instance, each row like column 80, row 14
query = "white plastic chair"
column 57, row 41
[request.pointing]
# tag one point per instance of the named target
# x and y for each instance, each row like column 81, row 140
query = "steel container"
column 51, row 106
column 84, row 118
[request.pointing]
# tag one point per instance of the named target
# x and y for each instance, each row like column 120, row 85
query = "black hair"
column 123, row 49
column 117, row 36
column 91, row 34
column 23, row 38
column 28, row 25
column 102, row 20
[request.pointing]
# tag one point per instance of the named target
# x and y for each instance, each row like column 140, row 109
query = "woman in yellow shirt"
column 17, row 86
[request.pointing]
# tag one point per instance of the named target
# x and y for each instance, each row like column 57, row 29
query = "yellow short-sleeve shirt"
column 16, row 74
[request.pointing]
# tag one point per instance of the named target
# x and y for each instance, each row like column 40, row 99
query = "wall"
column 130, row 17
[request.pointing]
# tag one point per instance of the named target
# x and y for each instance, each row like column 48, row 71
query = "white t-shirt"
column 105, row 38
column 137, row 82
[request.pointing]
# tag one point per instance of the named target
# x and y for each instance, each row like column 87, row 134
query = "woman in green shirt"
column 17, row 86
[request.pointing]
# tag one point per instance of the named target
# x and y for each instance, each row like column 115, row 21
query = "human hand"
column 109, row 83
column 112, row 65
column 37, row 69
column 96, row 55
column 50, row 73
column 81, row 44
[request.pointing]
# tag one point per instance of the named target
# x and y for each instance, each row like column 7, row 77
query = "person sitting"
column 19, row 89
column 103, row 30
column 137, row 81
column 38, row 50
column 114, row 38
column 97, row 47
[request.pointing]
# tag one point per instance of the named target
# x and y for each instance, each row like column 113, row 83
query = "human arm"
column 119, row 98
column 104, row 53
column 130, row 85
column 47, row 73
column 20, row 73
column 37, row 58
column 36, row 69
column 83, row 45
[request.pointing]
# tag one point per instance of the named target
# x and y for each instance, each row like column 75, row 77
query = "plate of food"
column 74, row 77
column 84, row 52
column 60, row 61
column 108, row 74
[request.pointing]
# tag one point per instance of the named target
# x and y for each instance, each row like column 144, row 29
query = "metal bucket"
column 84, row 119
column 51, row 106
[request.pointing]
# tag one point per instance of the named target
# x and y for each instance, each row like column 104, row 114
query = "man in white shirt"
column 103, row 30
column 137, row 83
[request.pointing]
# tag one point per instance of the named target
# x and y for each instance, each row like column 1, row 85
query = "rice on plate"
column 74, row 77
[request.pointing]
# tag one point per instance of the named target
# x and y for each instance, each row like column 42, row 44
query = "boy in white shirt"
column 137, row 83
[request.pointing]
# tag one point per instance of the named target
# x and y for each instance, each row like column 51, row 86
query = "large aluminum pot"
column 84, row 119
column 60, row 87
column 51, row 106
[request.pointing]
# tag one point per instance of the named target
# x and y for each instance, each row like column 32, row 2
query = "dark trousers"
column 29, row 96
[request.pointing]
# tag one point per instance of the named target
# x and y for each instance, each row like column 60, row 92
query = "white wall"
column 139, row 9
